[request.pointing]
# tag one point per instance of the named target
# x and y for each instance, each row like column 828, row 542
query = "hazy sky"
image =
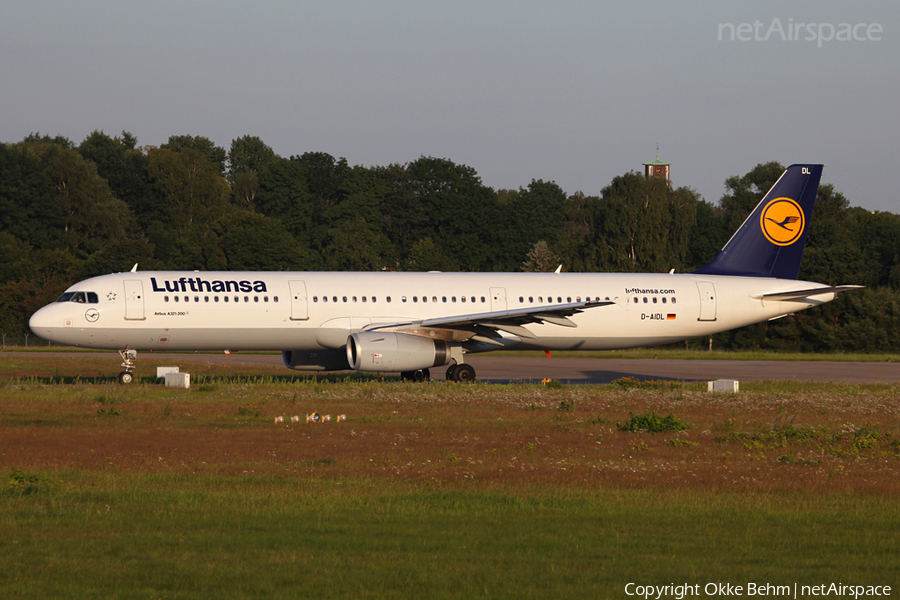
column 574, row 92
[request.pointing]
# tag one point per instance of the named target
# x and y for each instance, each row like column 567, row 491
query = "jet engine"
column 388, row 352
column 324, row 360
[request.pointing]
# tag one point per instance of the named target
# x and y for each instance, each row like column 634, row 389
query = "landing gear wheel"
column 451, row 373
column 125, row 377
column 464, row 373
column 420, row 375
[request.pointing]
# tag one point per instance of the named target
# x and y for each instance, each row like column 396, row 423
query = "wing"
column 484, row 327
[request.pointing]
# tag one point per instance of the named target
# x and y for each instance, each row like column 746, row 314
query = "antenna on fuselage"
column 134, row 268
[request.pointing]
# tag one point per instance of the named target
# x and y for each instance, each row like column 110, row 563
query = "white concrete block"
column 723, row 385
column 161, row 371
column 178, row 380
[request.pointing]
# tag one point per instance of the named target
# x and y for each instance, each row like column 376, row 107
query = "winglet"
column 770, row 242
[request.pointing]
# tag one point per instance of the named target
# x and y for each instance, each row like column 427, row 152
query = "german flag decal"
column 670, row 317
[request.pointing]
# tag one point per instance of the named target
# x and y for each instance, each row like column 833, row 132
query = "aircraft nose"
column 41, row 323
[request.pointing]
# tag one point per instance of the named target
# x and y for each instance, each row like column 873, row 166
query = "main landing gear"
column 420, row 375
column 128, row 359
column 462, row 373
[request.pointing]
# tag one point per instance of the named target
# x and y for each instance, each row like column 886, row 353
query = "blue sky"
column 573, row 92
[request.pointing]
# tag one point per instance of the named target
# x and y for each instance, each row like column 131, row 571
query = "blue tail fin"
column 770, row 242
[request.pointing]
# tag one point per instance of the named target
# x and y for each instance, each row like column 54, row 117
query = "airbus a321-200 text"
column 412, row 322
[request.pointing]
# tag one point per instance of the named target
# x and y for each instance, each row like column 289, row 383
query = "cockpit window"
column 80, row 297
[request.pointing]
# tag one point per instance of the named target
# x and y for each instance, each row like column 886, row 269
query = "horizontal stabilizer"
column 807, row 293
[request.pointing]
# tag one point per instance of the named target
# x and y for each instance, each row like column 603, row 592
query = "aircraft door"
column 498, row 299
column 299, row 303
column 707, row 301
column 134, row 300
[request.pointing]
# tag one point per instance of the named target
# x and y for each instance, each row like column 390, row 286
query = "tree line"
column 68, row 212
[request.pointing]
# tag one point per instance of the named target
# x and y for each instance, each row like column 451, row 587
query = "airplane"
column 412, row 322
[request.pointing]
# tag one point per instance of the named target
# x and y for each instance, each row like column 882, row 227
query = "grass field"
column 436, row 490
column 667, row 353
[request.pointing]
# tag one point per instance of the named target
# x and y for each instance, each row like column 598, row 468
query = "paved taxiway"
column 502, row 369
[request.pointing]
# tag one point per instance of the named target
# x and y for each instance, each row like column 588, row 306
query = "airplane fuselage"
column 318, row 310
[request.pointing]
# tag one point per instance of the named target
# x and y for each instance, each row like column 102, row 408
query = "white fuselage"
column 314, row 311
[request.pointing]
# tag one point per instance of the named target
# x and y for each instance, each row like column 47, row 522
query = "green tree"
column 27, row 208
column 214, row 154
column 644, row 224
column 84, row 206
column 247, row 157
column 190, row 186
column 125, row 168
column 540, row 259
column 463, row 213
column 254, row 242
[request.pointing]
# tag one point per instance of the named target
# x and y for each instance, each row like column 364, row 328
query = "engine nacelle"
column 389, row 352
column 321, row 360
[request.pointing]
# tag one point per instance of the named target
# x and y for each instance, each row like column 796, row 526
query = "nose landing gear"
column 128, row 359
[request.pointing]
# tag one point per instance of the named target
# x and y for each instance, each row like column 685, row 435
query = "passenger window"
column 521, row 299
column 434, row 299
column 482, row 299
column 645, row 299
column 206, row 298
column 443, row 298
column 569, row 299
column 530, row 299
column 354, row 298
column 673, row 300
column 424, row 298
column 256, row 298
column 403, row 299
column 364, row 298
column 315, row 298
column 176, row 298
column 415, row 298
column 215, row 298
column 165, row 298
column 196, row 298
column 373, row 299
column 274, row 298
column 388, row 298
column 463, row 298
column 654, row 300
column 345, row 298
column 452, row 298
column 226, row 298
